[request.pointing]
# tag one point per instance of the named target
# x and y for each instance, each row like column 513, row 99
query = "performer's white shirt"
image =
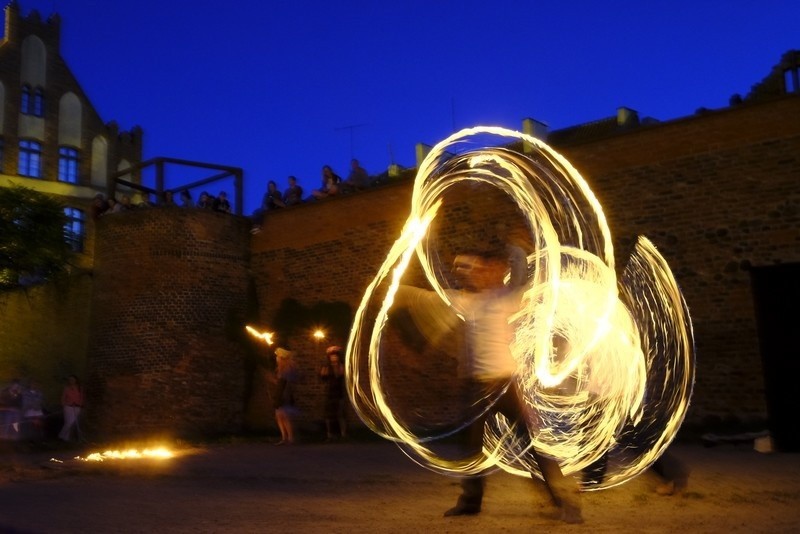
column 489, row 334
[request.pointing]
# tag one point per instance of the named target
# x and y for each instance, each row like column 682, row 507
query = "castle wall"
column 168, row 298
column 168, row 283
column 715, row 193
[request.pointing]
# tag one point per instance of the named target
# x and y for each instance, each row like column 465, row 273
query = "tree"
column 32, row 244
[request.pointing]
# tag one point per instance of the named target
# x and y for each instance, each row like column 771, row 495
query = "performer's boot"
column 469, row 502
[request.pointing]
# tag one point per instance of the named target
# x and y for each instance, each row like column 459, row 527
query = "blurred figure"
column 286, row 377
column 293, row 194
column 332, row 373
column 186, row 199
column 272, row 198
column 205, row 201
column 357, row 180
column 32, row 412
column 221, row 203
column 167, row 199
column 330, row 184
column 71, row 402
column 99, row 206
column 10, row 410
column 489, row 369
column 674, row 474
column 125, row 203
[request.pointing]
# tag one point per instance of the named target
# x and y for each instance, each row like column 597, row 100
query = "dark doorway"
column 776, row 293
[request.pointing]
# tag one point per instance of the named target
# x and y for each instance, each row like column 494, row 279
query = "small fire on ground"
column 159, row 453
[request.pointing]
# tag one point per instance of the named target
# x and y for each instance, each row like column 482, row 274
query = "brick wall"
column 716, row 193
column 168, row 284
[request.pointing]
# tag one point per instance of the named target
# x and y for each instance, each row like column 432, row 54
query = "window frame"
column 30, row 158
column 74, row 228
column 68, row 164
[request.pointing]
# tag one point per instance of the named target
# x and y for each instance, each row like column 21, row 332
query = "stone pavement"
column 370, row 486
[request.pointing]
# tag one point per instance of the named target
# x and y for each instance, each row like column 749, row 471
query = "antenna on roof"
column 453, row 112
column 350, row 127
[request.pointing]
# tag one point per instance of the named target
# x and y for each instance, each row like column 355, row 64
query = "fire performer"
column 489, row 368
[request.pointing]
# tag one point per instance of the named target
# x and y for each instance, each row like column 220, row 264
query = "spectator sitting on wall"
column 186, row 199
column 272, row 200
column 293, row 194
column 99, row 206
column 205, row 201
column 113, row 206
column 167, row 199
column 125, row 203
column 357, row 180
column 330, row 184
column 221, row 203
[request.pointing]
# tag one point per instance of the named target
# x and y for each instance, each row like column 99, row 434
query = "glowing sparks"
column 158, row 453
column 606, row 364
column 266, row 337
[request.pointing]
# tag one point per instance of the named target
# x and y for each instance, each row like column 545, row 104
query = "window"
column 791, row 80
column 30, row 159
column 38, row 102
column 32, row 102
column 67, row 165
column 74, row 228
column 25, row 102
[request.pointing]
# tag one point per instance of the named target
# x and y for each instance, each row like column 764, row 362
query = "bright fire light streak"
column 264, row 336
column 606, row 364
column 159, row 453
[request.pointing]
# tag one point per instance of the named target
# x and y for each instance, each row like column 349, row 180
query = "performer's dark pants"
column 563, row 490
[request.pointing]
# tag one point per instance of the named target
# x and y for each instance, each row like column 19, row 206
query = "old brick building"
column 51, row 137
column 158, row 324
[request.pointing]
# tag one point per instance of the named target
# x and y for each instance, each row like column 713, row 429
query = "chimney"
column 421, row 150
column 627, row 117
column 536, row 129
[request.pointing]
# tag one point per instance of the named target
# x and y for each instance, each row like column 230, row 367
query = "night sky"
column 282, row 88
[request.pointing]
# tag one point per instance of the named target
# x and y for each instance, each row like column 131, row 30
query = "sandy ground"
column 370, row 486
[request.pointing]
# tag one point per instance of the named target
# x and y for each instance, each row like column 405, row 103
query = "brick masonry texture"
column 716, row 192
column 167, row 283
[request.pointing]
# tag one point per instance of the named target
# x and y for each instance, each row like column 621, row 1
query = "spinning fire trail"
column 605, row 361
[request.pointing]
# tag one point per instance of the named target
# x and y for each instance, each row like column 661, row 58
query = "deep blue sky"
column 272, row 86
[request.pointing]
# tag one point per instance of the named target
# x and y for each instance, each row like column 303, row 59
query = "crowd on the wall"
column 105, row 206
column 331, row 185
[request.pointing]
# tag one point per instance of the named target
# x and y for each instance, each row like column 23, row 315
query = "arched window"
column 74, row 228
column 38, row 102
column 30, row 159
column 68, row 165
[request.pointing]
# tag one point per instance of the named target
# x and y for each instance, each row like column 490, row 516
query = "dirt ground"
column 370, row 486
